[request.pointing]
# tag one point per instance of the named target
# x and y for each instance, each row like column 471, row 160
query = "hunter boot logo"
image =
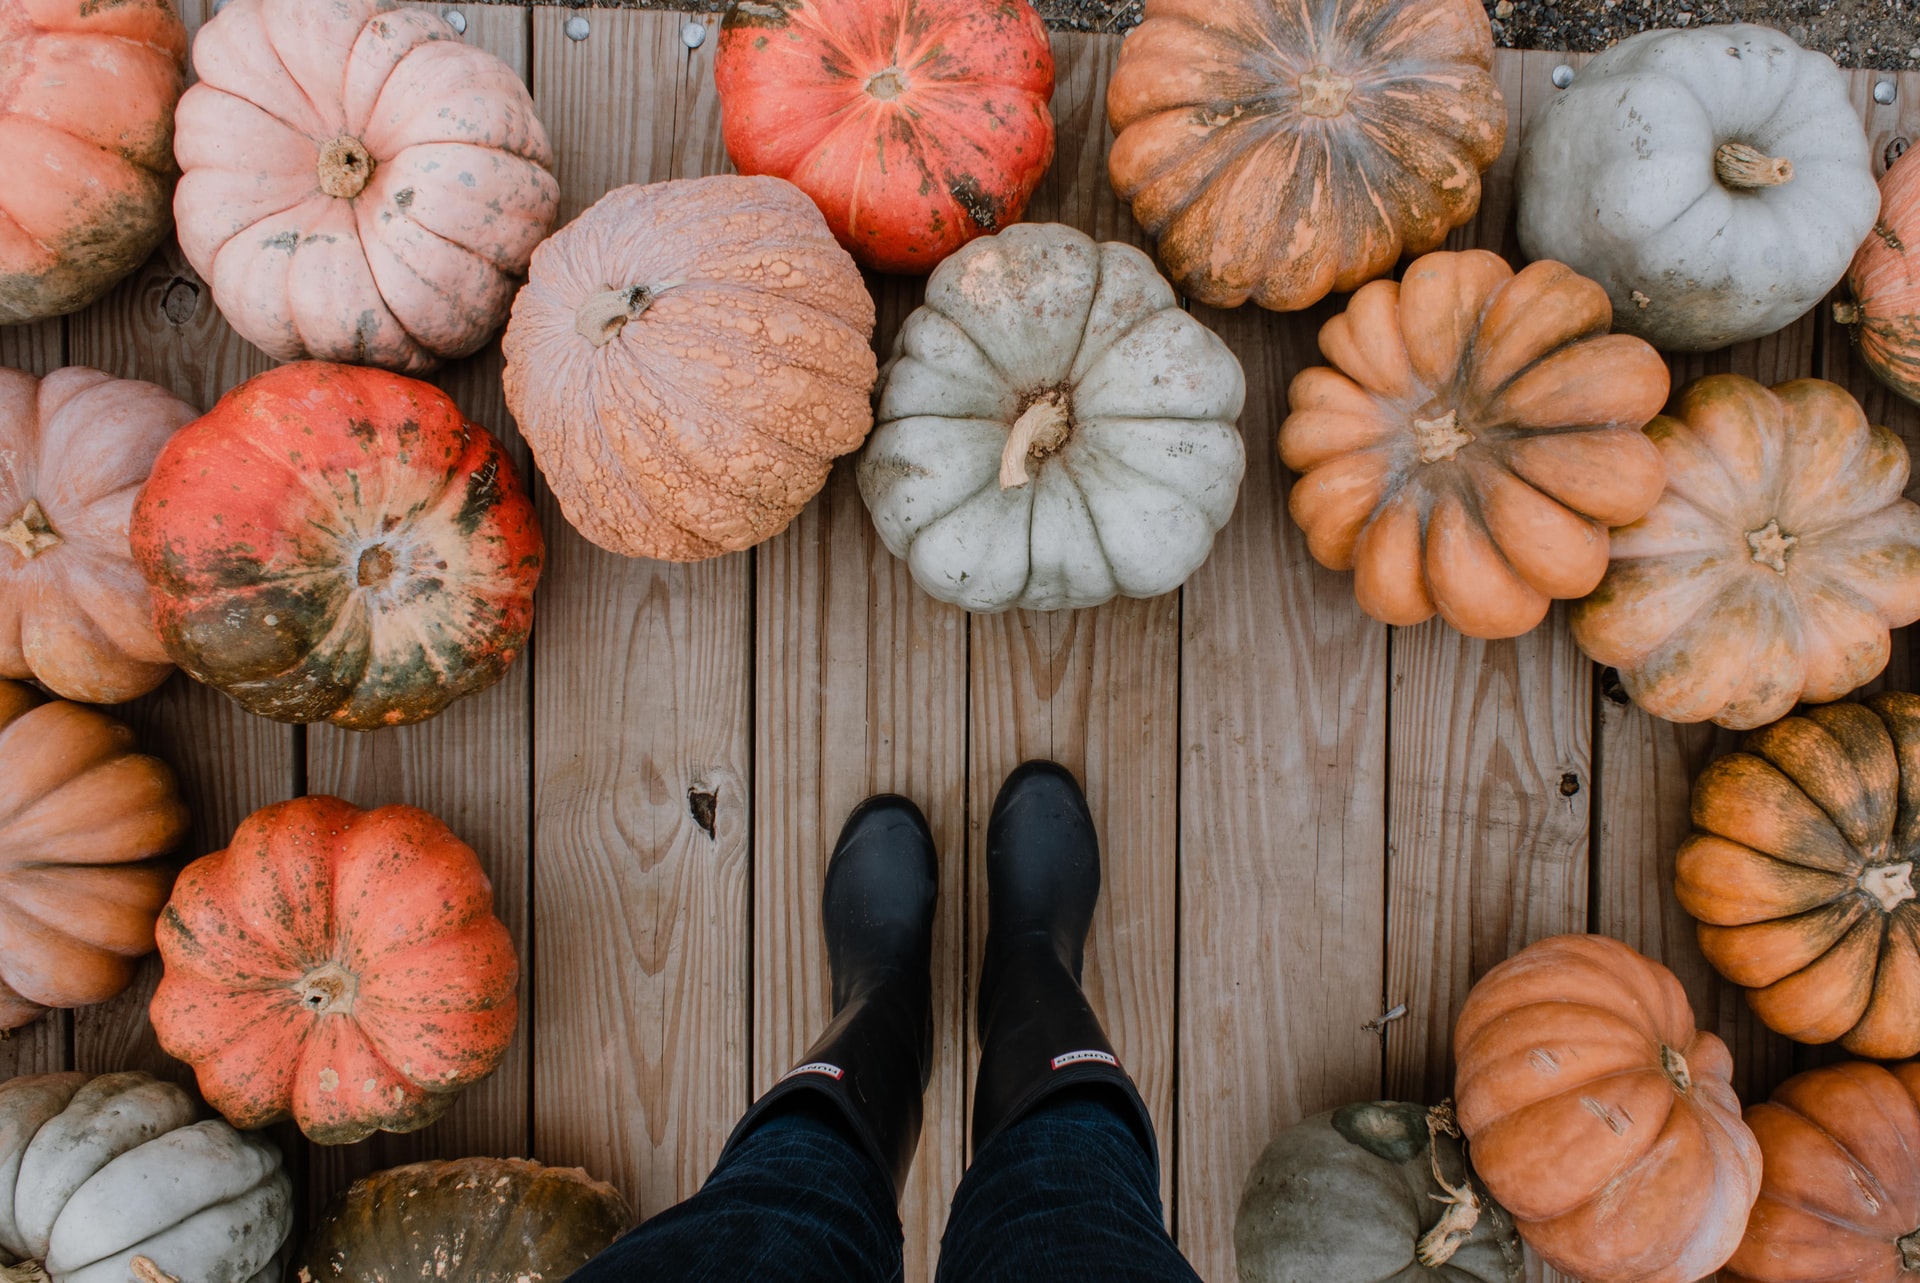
column 815, row 1067
column 1085, row 1057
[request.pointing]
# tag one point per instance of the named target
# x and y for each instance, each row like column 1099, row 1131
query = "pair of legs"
column 1065, row 1180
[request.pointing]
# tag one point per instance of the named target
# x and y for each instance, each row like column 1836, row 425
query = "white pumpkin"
column 109, row 1179
column 1053, row 430
column 1717, row 181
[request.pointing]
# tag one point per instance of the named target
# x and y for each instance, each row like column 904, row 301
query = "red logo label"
column 1085, row 1057
column 815, row 1067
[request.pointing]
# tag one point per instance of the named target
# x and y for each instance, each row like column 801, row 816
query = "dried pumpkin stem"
column 1772, row 546
column 1675, row 1066
column 887, row 85
column 1891, row 885
column 1037, row 433
column 1324, row 92
column 1847, row 313
column 605, row 314
column 1746, row 169
column 1462, row 1214
column 327, row 990
column 1909, row 1251
column 145, row 1271
column 1442, row 438
column 29, row 534
column 346, row 167
column 25, row 1272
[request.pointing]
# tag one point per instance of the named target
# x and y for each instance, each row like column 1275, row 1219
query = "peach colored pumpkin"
column 87, row 92
column 687, row 360
column 359, row 185
column 1479, row 434
column 1773, row 567
column 1884, row 311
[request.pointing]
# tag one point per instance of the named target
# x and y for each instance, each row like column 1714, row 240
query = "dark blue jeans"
column 1066, row 1193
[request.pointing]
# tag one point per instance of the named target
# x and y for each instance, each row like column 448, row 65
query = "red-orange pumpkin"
column 339, row 967
column 1885, row 279
column 915, row 125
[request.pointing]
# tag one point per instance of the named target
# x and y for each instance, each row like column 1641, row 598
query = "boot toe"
column 884, row 873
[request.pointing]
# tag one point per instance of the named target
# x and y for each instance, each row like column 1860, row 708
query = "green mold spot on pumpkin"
column 483, row 496
column 1386, row 1129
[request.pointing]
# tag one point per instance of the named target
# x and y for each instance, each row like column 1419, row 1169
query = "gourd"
column 1800, row 872
column 1478, row 434
column 687, row 361
column 478, row 1220
column 77, row 447
column 86, row 140
column 339, row 544
column 1715, row 180
column 359, row 185
column 1884, row 280
column 339, row 967
column 1368, row 1193
column 914, row 127
column 1282, row 152
column 84, row 824
column 1053, row 430
column 110, row 1179
column 1600, row 1117
column 1773, row 566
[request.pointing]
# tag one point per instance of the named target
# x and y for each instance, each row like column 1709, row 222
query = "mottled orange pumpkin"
column 1477, row 437
column 339, row 967
column 1281, row 152
column 1885, row 279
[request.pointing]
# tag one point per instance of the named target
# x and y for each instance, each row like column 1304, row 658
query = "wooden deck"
column 1309, row 819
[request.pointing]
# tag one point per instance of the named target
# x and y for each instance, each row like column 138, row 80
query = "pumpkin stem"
column 1746, row 169
column 887, row 85
column 1037, row 433
column 1676, row 1069
column 346, row 167
column 376, row 566
column 328, row 990
column 25, row 1272
column 1441, row 438
column 1324, row 92
column 30, row 535
column 1847, row 313
column 1890, row 884
column 1772, row 546
column 1909, row 1251
column 145, row 1271
column 604, row 315
column 1456, row 1224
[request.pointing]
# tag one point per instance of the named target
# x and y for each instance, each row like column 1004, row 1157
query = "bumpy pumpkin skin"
column 1774, row 565
column 1800, row 873
column 1477, row 437
column 687, row 360
column 1600, row 1117
column 1282, row 152
column 915, row 125
column 1351, row 1196
column 86, row 140
column 339, row 544
column 84, row 824
column 1885, row 280
column 75, row 449
column 478, row 1220
column 360, row 185
column 339, row 967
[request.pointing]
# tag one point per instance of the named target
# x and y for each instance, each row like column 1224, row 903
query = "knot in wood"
column 1442, row 438
column 1772, row 546
column 346, row 167
column 1890, row 885
column 29, row 534
column 1747, row 169
column 1324, row 92
column 1039, row 431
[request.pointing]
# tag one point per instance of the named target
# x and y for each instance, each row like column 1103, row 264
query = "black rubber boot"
column 1038, row 1033
column 873, row 1062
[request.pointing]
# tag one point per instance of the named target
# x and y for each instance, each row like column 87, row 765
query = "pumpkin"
column 1281, row 152
column 339, row 967
column 86, row 140
column 478, row 1220
column 1800, row 872
column 1773, row 566
column 1053, row 429
column 1884, row 311
column 1477, row 436
column 1840, row 1197
column 915, row 125
column 108, row 1179
column 77, row 446
column 84, row 822
column 358, row 185
column 1370, row 1193
column 687, row 361
column 1600, row 1117
column 339, row 544
column 1715, row 180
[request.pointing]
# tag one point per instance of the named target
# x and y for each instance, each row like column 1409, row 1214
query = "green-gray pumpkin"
column 1372, row 1193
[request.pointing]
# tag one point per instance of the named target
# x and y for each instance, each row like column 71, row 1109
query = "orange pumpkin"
column 84, row 821
column 1884, row 312
column 1479, row 435
column 1601, row 1117
column 1840, row 1198
column 87, row 92
column 1281, row 152
column 1773, row 566
column 1801, row 873
column 339, row 967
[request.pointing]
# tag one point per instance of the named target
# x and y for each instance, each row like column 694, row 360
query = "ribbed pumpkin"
column 339, row 967
column 74, row 615
column 1840, row 1198
column 1281, row 152
column 86, row 142
column 1774, row 565
column 84, row 821
column 687, row 361
column 1801, row 873
column 1884, row 311
column 475, row 1220
column 915, row 125
column 1600, row 1117
column 1477, row 437
column 339, row 544
column 359, row 184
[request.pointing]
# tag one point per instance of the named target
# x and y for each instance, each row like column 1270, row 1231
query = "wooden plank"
column 642, row 683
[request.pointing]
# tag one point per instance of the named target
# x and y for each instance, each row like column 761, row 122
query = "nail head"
column 1885, row 92
column 578, row 28
column 1562, row 76
column 456, row 20
column 693, row 35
